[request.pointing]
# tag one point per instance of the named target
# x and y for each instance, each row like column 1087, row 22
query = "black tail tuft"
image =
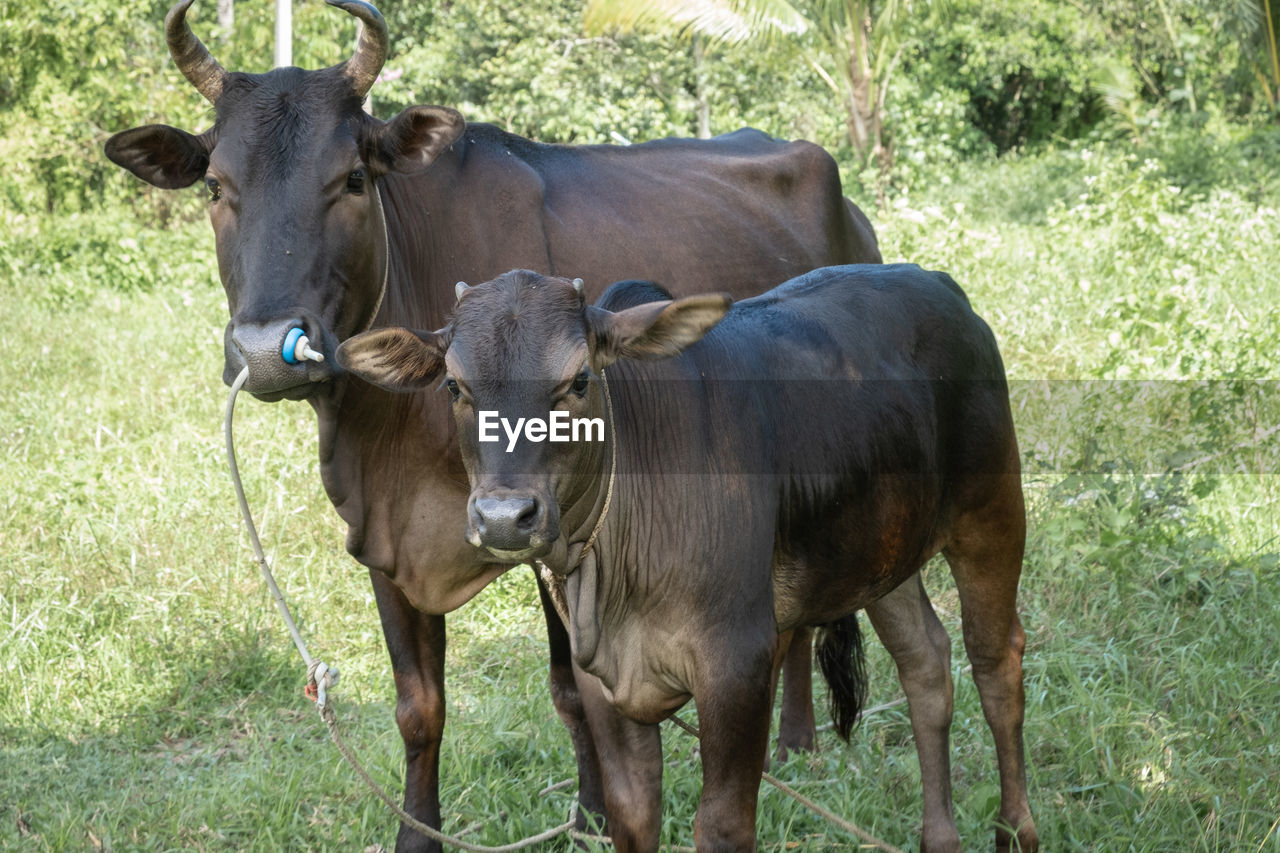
column 844, row 665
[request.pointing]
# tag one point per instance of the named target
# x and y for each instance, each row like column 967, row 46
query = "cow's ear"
column 412, row 141
column 161, row 155
column 654, row 329
column 395, row 359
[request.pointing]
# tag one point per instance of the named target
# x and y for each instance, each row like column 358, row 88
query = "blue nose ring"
column 297, row 347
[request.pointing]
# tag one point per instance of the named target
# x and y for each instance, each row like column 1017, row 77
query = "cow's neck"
column 419, row 286
column 388, row 461
column 629, row 602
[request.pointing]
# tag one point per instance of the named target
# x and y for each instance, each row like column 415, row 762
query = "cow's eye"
column 215, row 188
column 454, row 391
column 580, row 383
column 355, row 181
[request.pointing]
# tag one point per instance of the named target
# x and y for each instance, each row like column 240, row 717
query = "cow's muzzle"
column 512, row 525
column 275, row 374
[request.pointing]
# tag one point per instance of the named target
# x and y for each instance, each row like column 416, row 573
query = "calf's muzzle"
column 511, row 525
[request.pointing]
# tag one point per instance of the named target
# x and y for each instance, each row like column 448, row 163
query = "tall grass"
column 150, row 699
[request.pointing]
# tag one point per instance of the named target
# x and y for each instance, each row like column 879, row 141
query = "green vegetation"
column 1120, row 241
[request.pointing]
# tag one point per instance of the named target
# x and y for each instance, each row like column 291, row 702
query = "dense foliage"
column 972, row 79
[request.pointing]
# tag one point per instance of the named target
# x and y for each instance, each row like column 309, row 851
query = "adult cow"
column 784, row 465
column 331, row 221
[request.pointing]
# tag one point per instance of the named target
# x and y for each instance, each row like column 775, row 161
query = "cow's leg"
column 630, row 761
column 568, row 701
column 985, row 555
column 796, row 730
column 734, row 701
column 416, row 642
column 906, row 624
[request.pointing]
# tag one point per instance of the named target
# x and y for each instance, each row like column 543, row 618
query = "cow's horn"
column 191, row 56
column 460, row 288
column 579, row 286
column 371, row 50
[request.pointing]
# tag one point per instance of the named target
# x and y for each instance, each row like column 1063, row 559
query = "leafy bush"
column 1025, row 68
column 931, row 134
column 1136, row 529
column 64, row 260
column 71, row 73
column 982, row 77
column 1093, row 262
column 559, row 86
column 564, row 87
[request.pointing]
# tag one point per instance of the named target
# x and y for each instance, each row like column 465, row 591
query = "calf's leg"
column 630, row 762
column 416, row 643
column 568, row 701
column 906, row 624
column 985, row 555
column 734, row 703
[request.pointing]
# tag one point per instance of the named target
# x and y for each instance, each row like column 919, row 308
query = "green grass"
column 150, row 697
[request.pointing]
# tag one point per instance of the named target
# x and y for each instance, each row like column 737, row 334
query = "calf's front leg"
column 569, row 705
column 734, row 701
column 630, row 761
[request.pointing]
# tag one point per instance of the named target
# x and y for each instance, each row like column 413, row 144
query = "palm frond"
column 717, row 20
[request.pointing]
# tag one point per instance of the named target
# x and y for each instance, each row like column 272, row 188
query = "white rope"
column 253, row 530
column 829, row 815
column 320, row 676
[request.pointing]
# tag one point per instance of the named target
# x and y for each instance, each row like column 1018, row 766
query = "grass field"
column 150, row 698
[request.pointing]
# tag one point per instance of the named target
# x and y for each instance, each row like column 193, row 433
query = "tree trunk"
column 1272, row 54
column 702, row 104
column 862, row 106
column 226, row 17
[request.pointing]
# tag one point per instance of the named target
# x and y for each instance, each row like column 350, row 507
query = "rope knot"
column 320, row 677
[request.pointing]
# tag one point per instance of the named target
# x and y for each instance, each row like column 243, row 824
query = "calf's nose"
column 506, row 523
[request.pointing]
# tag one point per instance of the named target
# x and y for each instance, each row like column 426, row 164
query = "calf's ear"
column 412, row 140
column 395, row 359
column 654, row 329
column 161, row 155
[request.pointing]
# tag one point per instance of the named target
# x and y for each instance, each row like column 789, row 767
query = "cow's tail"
column 844, row 666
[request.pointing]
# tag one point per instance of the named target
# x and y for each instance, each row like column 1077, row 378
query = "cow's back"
column 738, row 213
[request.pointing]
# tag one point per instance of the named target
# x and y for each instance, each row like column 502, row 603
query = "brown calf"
column 780, row 464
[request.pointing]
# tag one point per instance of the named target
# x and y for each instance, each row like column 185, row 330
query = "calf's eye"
column 355, row 181
column 580, row 383
column 454, row 392
column 215, row 188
